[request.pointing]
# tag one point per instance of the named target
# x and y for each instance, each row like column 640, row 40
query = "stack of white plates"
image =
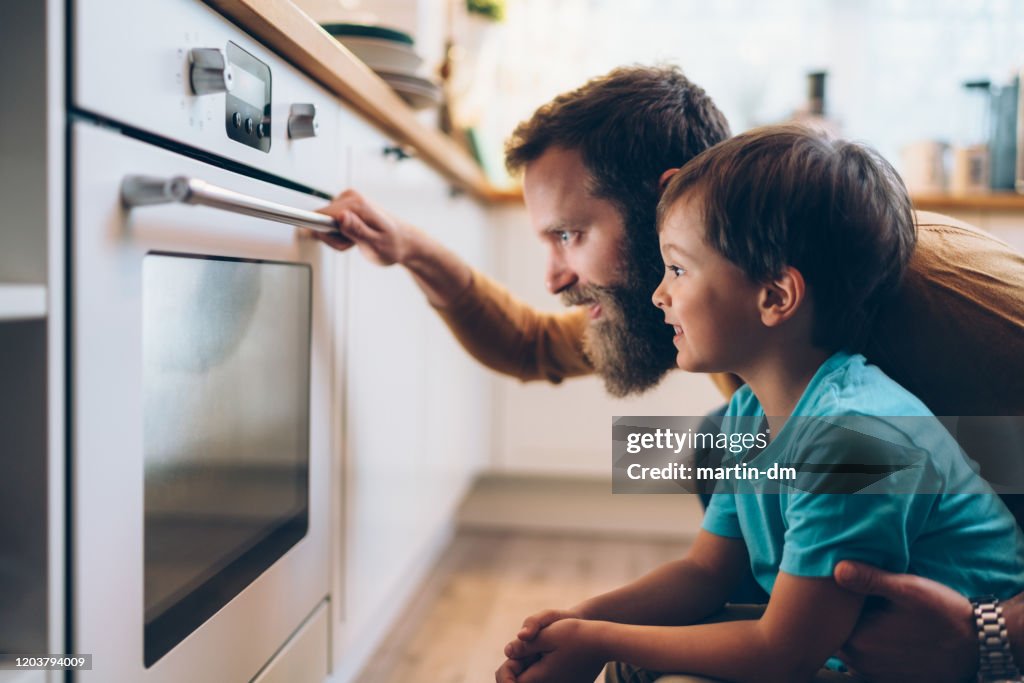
column 419, row 92
column 391, row 55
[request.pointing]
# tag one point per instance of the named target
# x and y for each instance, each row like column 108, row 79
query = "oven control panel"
column 246, row 83
column 201, row 81
column 247, row 105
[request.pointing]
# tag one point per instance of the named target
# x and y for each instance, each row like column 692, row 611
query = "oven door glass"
column 226, row 372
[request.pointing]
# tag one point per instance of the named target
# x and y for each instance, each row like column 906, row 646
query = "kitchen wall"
column 895, row 66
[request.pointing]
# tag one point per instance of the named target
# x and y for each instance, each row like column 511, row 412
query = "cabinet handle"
column 139, row 190
column 399, row 152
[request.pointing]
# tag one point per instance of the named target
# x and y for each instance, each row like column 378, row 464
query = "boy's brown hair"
column 789, row 195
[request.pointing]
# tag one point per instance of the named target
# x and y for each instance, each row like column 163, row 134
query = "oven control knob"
column 209, row 71
column 302, row 121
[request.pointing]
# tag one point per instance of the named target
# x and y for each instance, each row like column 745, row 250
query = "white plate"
column 418, row 92
column 383, row 55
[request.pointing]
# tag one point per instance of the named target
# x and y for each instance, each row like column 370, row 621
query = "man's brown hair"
column 833, row 209
column 629, row 126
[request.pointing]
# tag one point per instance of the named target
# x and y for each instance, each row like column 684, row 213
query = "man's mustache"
column 581, row 295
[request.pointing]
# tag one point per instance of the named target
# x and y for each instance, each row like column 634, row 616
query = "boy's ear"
column 782, row 297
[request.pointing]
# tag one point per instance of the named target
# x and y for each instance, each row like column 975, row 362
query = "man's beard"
column 629, row 345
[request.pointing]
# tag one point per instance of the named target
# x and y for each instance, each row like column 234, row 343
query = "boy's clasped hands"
column 553, row 645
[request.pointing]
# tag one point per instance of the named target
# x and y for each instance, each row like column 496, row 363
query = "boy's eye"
column 675, row 270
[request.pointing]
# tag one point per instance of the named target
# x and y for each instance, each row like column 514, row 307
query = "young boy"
column 778, row 245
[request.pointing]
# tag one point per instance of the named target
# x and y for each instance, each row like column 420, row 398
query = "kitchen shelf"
column 937, row 201
column 22, row 302
column 510, row 195
column 979, row 201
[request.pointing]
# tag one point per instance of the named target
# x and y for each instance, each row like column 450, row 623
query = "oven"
column 201, row 351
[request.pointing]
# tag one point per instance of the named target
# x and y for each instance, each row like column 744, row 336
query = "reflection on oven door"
column 226, row 371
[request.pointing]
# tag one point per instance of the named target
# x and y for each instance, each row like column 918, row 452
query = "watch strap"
column 995, row 657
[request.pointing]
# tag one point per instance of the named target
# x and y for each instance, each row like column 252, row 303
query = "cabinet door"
column 417, row 406
column 387, row 365
column 458, row 413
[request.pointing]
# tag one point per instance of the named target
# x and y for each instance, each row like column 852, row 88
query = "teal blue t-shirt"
column 931, row 515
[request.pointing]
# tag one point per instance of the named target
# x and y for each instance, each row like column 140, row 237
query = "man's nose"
column 559, row 276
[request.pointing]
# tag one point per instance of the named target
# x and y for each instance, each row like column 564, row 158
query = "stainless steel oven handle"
column 139, row 190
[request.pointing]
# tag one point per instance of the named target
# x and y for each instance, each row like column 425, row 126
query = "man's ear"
column 782, row 297
column 665, row 177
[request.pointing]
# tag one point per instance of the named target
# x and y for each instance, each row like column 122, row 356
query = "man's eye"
column 566, row 236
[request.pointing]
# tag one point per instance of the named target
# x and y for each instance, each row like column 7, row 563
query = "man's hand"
column 440, row 273
column 921, row 631
column 568, row 652
column 382, row 238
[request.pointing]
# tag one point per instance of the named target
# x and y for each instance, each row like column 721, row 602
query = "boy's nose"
column 659, row 297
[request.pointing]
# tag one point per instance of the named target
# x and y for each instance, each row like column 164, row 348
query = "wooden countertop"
column 294, row 35
column 984, row 201
column 980, row 201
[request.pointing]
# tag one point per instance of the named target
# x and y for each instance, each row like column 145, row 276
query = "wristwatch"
column 996, row 663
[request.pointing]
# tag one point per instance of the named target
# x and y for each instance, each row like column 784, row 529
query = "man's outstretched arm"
column 386, row 240
column 497, row 329
column 923, row 631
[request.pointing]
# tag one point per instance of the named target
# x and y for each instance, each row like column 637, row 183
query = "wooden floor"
column 576, row 506
column 487, row 582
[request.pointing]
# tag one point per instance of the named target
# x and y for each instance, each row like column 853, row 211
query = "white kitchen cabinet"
column 22, row 302
column 457, row 410
column 305, row 656
column 415, row 406
column 32, row 336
